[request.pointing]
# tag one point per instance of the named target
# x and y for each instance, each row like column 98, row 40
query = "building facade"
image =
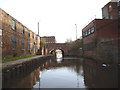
column 111, row 10
column 48, row 39
column 103, row 32
column 17, row 39
column 45, row 41
column 100, row 31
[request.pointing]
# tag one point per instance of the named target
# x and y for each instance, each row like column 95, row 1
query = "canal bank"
column 20, row 62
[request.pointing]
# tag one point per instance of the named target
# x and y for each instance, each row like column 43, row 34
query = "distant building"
column 17, row 39
column 45, row 42
column 48, row 39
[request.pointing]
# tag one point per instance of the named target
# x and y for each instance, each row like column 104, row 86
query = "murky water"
column 63, row 73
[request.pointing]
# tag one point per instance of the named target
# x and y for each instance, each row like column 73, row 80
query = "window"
column 33, row 45
column 118, row 4
column 23, row 44
column 88, row 31
column 33, row 35
column 14, row 42
column 13, row 25
column 36, row 38
column 28, row 45
column 22, row 29
column 119, row 14
column 110, row 6
column 92, row 30
column 0, row 32
column 83, row 34
column 28, row 33
column 111, row 17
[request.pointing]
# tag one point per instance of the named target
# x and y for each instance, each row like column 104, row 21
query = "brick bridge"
column 53, row 46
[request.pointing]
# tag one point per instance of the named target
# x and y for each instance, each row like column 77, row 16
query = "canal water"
column 68, row 72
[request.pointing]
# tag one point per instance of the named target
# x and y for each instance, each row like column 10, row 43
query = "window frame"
column 28, row 33
column 13, row 24
column 33, row 35
column 23, row 44
column 86, row 33
column 89, row 31
column 29, row 45
column 33, row 46
column 92, row 30
column 118, row 3
column 83, row 34
column 14, row 43
column 0, row 32
column 22, row 29
column 119, row 14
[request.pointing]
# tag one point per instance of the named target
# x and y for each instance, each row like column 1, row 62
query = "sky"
column 56, row 17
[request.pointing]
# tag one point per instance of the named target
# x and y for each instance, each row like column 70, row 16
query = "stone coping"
column 19, row 61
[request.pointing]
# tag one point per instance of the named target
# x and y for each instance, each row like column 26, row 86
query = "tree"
column 76, row 47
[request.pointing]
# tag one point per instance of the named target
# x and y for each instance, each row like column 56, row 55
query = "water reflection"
column 59, row 54
column 97, row 76
column 21, row 80
column 62, row 73
column 59, row 60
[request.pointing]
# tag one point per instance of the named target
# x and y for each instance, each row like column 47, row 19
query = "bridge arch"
column 51, row 47
column 53, row 51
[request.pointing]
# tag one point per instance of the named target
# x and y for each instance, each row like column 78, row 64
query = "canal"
column 69, row 72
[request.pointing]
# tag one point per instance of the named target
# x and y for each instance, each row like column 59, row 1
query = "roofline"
column 108, row 4
column 99, row 19
column 17, row 20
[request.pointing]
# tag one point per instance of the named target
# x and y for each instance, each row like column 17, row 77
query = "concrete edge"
column 19, row 61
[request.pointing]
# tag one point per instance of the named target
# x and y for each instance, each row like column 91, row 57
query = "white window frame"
column 13, row 24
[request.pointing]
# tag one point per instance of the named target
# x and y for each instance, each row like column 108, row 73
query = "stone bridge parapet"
column 53, row 46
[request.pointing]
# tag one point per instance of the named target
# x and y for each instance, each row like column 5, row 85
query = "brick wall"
column 106, row 32
column 8, row 33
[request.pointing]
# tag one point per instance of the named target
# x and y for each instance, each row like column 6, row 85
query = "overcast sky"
column 56, row 17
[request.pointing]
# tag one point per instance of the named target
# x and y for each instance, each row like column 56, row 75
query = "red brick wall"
column 107, row 29
column 63, row 46
column 8, row 33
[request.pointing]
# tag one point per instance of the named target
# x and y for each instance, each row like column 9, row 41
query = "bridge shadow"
column 53, row 51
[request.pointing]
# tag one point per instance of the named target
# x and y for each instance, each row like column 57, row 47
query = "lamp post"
column 38, row 28
column 76, row 30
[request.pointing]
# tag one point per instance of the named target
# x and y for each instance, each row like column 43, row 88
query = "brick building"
column 99, row 31
column 45, row 42
column 17, row 39
column 104, row 31
column 111, row 10
column 48, row 39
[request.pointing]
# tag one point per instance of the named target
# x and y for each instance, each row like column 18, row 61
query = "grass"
column 10, row 58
